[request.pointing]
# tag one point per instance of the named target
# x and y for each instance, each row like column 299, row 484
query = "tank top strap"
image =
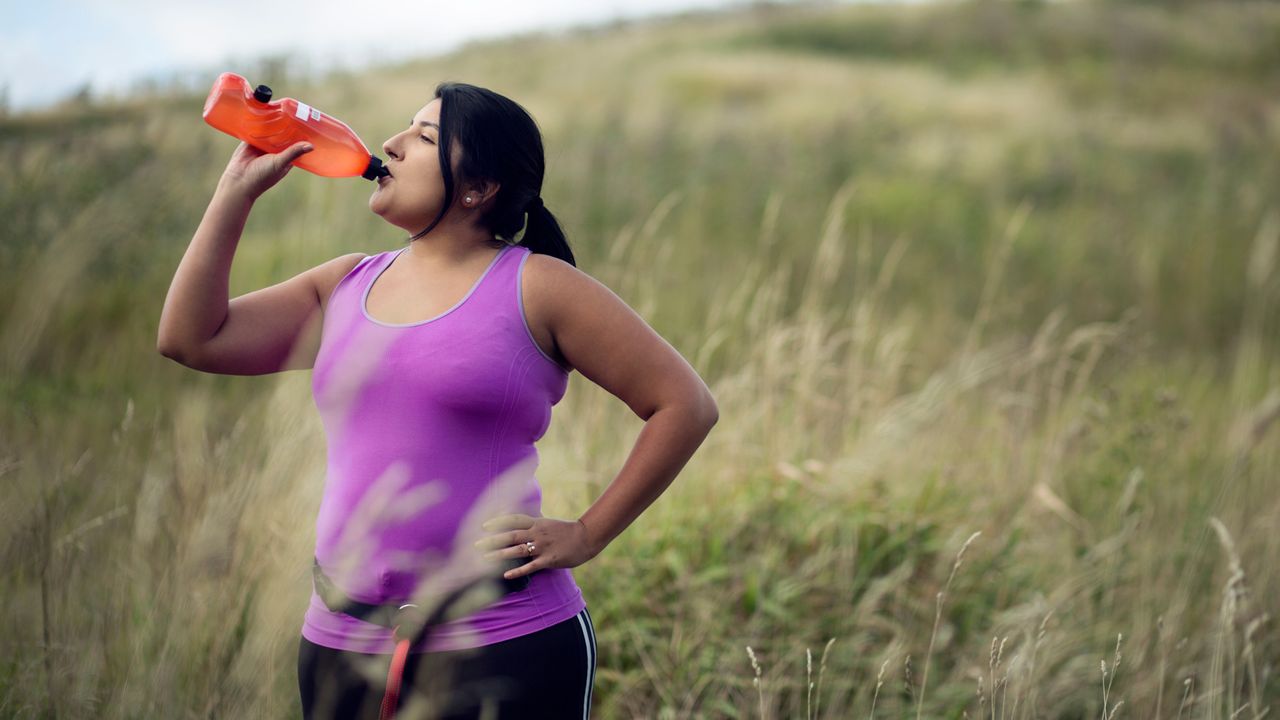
column 496, row 291
column 495, row 294
column 343, row 307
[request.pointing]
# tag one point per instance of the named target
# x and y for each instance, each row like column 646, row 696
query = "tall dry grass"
column 1016, row 314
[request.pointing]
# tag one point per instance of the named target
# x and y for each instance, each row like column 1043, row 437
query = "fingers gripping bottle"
column 249, row 114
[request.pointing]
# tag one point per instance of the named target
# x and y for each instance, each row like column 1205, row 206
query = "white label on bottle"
column 315, row 114
column 304, row 111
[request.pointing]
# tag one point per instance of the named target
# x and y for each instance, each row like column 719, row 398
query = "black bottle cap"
column 262, row 94
column 375, row 169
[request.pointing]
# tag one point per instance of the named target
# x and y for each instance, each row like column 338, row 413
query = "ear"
column 482, row 191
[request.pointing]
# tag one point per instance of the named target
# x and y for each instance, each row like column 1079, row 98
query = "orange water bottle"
column 250, row 114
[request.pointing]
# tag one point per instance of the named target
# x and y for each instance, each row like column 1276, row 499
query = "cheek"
column 422, row 187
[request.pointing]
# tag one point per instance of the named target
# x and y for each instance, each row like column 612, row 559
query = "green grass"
column 978, row 267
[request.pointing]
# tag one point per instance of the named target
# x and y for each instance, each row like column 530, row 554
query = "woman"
column 437, row 580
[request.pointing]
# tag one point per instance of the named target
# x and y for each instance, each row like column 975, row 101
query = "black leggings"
column 546, row 674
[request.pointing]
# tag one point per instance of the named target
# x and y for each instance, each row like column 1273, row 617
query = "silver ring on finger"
column 529, row 547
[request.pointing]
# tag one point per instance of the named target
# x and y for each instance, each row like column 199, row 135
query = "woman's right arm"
column 265, row 331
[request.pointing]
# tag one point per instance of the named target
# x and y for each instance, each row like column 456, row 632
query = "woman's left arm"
column 611, row 345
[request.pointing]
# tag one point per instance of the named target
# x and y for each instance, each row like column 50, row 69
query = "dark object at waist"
column 409, row 620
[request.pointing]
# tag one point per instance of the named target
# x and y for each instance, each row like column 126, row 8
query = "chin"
column 379, row 208
column 389, row 221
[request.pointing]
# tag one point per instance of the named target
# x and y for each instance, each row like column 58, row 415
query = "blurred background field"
column 998, row 276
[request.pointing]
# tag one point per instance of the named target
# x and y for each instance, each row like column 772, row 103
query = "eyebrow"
column 425, row 123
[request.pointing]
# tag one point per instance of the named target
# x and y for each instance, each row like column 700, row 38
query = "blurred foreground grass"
column 983, row 275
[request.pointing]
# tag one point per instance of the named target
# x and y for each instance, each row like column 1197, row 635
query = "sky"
column 51, row 48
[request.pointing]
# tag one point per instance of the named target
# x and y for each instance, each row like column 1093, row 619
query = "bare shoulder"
column 554, row 280
column 555, row 287
column 327, row 275
column 608, row 343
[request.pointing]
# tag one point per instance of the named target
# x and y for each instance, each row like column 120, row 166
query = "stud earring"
column 467, row 199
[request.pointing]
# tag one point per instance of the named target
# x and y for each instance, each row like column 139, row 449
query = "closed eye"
column 424, row 137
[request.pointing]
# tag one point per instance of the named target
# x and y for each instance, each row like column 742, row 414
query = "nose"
column 388, row 147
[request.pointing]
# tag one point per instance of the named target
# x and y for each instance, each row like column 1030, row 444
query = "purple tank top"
column 431, row 429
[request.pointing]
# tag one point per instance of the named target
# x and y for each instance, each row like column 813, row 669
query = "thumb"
column 299, row 149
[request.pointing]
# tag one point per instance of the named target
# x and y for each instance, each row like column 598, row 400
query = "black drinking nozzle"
column 262, row 94
column 375, row 169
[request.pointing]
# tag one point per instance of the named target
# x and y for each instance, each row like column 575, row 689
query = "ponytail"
column 542, row 234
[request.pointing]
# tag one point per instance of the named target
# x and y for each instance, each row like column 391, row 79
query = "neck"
column 449, row 244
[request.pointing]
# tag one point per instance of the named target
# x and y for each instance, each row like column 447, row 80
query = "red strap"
column 394, row 674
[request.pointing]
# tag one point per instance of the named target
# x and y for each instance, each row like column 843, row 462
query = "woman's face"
column 411, row 197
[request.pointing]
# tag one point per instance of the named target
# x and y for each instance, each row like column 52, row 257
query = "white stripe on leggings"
column 589, row 638
column 591, row 626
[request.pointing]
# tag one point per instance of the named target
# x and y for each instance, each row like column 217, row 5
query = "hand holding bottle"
column 252, row 171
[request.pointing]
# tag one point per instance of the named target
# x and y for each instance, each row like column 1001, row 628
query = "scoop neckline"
column 364, row 297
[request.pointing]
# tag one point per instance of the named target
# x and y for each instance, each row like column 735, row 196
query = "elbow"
column 171, row 351
column 164, row 341
column 708, row 411
column 694, row 406
column 174, row 356
column 166, row 350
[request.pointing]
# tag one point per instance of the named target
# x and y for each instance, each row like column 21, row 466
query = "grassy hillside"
column 986, row 293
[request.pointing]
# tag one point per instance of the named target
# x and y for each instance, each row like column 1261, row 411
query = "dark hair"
column 500, row 142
